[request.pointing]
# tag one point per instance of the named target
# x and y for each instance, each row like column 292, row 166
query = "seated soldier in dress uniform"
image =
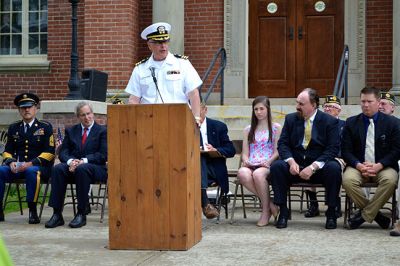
column 29, row 152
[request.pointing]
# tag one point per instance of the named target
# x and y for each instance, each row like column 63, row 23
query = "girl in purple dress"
column 259, row 151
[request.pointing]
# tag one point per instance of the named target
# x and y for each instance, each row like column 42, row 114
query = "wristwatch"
column 313, row 169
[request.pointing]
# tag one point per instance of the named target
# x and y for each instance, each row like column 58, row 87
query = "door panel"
column 271, row 49
column 319, row 50
column 297, row 46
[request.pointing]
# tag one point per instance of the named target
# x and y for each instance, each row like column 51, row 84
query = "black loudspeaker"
column 93, row 85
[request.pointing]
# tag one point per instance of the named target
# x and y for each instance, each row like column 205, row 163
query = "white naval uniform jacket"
column 175, row 78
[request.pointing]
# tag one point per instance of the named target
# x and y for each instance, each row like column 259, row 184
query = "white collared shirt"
column 203, row 131
column 176, row 77
column 89, row 129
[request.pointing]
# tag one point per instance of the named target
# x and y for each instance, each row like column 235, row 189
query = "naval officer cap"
column 26, row 100
column 158, row 32
column 387, row 96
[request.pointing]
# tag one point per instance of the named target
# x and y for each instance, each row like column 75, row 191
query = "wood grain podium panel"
column 154, row 177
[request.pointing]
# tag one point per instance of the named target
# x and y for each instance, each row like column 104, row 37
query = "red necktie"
column 84, row 136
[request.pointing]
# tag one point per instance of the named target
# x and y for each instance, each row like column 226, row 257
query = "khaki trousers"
column 387, row 181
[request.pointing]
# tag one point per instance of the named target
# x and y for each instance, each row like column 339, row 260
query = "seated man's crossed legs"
column 330, row 176
column 369, row 208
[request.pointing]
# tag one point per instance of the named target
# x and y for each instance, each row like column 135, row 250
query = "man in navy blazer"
column 214, row 137
column 307, row 157
column 371, row 149
column 83, row 157
column 333, row 107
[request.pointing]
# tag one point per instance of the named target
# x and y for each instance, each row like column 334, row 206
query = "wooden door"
column 294, row 44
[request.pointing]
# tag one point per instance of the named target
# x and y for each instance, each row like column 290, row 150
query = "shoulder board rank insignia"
column 43, row 122
column 142, row 61
column 181, row 56
column 16, row 122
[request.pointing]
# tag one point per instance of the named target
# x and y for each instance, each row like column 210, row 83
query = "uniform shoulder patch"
column 181, row 56
column 142, row 61
column 16, row 122
column 44, row 122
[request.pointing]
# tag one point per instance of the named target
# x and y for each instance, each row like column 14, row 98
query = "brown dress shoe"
column 210, row 211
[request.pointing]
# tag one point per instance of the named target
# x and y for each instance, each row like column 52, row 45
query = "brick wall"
column 379, row 43
column 107, row 40
column 51, row 85
column 146, row 18
column 111, row 29
column 204, row 32
column 63, row 120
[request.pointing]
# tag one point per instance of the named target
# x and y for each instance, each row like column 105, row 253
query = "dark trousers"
column 84, row 175
column 32, row 175
column 330, row 176
column 207, row 172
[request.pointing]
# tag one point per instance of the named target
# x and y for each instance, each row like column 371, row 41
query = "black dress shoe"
column 78, row 221
column 88, row 210
column 33, row 217
column 330, row 223
column 55, row 220
column 356, row 221
column 382, row 220
column 312, row 211
column 282, row 222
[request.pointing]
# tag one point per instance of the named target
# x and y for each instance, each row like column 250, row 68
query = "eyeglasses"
column 330, row 106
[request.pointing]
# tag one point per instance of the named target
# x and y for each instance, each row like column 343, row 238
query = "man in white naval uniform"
column 164, row 77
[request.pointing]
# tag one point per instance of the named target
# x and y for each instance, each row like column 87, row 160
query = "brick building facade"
column 109, row 41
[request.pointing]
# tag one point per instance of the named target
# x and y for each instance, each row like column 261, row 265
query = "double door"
column 294, row 44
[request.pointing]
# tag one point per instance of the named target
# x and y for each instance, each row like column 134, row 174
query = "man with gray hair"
column 83, row 157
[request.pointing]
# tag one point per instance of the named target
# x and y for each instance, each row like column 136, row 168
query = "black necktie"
column 26, row 128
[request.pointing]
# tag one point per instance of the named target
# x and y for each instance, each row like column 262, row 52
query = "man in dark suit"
column 333, row 107
column 29, row 152
column 214, row 137
column 371, row 149
column 307, row 148
column 83, row 157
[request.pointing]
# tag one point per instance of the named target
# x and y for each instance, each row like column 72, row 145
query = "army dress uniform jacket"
column 36, row 145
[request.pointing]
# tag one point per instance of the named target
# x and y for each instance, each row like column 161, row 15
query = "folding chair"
column 18, row 182
column 290, row 194
column 350, row 206
column 102, row 194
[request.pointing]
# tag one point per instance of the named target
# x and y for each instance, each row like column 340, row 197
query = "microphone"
column 153, row 74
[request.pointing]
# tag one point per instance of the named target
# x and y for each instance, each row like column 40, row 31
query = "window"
column 23, row 35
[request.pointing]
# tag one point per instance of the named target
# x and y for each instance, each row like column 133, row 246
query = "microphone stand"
column 155, row 82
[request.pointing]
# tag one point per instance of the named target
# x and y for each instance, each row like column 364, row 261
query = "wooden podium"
column 153, row 177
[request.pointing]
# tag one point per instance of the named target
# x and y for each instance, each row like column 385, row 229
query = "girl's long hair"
column 254, row 121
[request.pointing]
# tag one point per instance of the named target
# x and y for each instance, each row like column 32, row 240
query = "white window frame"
column 25, row 62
